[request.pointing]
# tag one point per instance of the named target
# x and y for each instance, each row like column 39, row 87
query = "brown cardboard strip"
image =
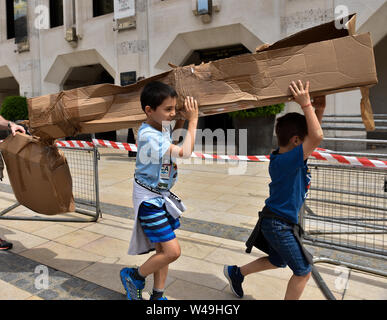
column 366, row 110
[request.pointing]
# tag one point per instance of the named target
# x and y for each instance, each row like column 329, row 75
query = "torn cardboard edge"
column 240, row 82
column 324, row 31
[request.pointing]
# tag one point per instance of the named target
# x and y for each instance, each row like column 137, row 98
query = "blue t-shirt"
column 154, row 166
column 290, row 182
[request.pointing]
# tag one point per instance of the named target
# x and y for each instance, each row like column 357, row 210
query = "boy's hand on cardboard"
column 300, row 94
column 191, row 110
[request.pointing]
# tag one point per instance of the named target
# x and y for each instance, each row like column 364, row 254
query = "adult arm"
column 5, row 124
column 319, row 104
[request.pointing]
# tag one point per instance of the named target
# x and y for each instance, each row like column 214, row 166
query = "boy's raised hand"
column 191, row 110
column 315, row 133
column 300, row 94
column 190, row 113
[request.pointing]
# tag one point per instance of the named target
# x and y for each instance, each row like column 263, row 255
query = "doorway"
column 86, row 76
column 218, row 121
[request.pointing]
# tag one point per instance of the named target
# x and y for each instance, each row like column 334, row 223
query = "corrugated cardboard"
column 331, row 59
column 39, row 175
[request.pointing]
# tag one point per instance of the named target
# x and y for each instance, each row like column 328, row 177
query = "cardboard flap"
column 173, row 66
column 323, row 32
column 366, row 110
column 262, row 47
column 39, row 175
column 14, row 144
column 351, row 25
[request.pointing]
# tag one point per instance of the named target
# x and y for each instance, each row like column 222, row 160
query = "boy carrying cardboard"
column 157, row 210
column 277, row 232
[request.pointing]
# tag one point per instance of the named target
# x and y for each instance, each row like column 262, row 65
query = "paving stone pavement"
column 83, row 259
column 24, row 273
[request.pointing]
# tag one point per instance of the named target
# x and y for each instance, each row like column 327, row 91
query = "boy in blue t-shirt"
column 298, row 136
column 155, row 174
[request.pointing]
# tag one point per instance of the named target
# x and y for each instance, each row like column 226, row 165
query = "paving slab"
column 10, row 292
column 84, row 259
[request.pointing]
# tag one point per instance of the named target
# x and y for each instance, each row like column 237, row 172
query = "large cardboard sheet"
column 333, row 60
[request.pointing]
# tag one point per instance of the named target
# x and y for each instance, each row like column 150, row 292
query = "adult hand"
column 15, row 128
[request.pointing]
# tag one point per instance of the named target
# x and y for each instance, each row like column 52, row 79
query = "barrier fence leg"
column 6, row 210
column 322, row 285
column 315, row 274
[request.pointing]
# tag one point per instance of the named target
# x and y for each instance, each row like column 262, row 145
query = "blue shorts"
column 157, row 224
column 284, row 248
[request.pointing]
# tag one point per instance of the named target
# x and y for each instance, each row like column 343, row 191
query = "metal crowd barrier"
column 352, row 122
column 83, row 164
column 346, row 212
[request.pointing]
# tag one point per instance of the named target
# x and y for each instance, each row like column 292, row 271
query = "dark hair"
column 290, row 125
column 154, row 94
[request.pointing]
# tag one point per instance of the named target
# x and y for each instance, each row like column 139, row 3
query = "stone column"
column 3, row 21
column 143, row 45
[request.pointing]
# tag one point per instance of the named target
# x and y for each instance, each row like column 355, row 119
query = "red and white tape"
column 356, row 161
column 74, row 144
column 97, row 143
column 319, row 154
column 115, row 145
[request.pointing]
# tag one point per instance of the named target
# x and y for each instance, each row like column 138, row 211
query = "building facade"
column 74, row 43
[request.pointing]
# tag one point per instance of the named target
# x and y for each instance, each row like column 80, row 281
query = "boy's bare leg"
column 296, row 287
column 160, row 276
column 170, row 252
column 258, row 265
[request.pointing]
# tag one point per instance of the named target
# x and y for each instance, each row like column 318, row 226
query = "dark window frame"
column 56, row 17
column 10, row 19
column 102, row 7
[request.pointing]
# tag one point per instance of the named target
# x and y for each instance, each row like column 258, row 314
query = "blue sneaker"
column 235, row 279
column 133, row 287
column 157, row 295
column 160, row 298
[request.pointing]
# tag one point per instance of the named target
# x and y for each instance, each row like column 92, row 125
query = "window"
column 56, row 13
column 10, row 20
column 204, row 6
column 101, row 7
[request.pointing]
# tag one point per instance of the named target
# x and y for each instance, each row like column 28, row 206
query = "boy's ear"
column 294, row 140
column 148, row 109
